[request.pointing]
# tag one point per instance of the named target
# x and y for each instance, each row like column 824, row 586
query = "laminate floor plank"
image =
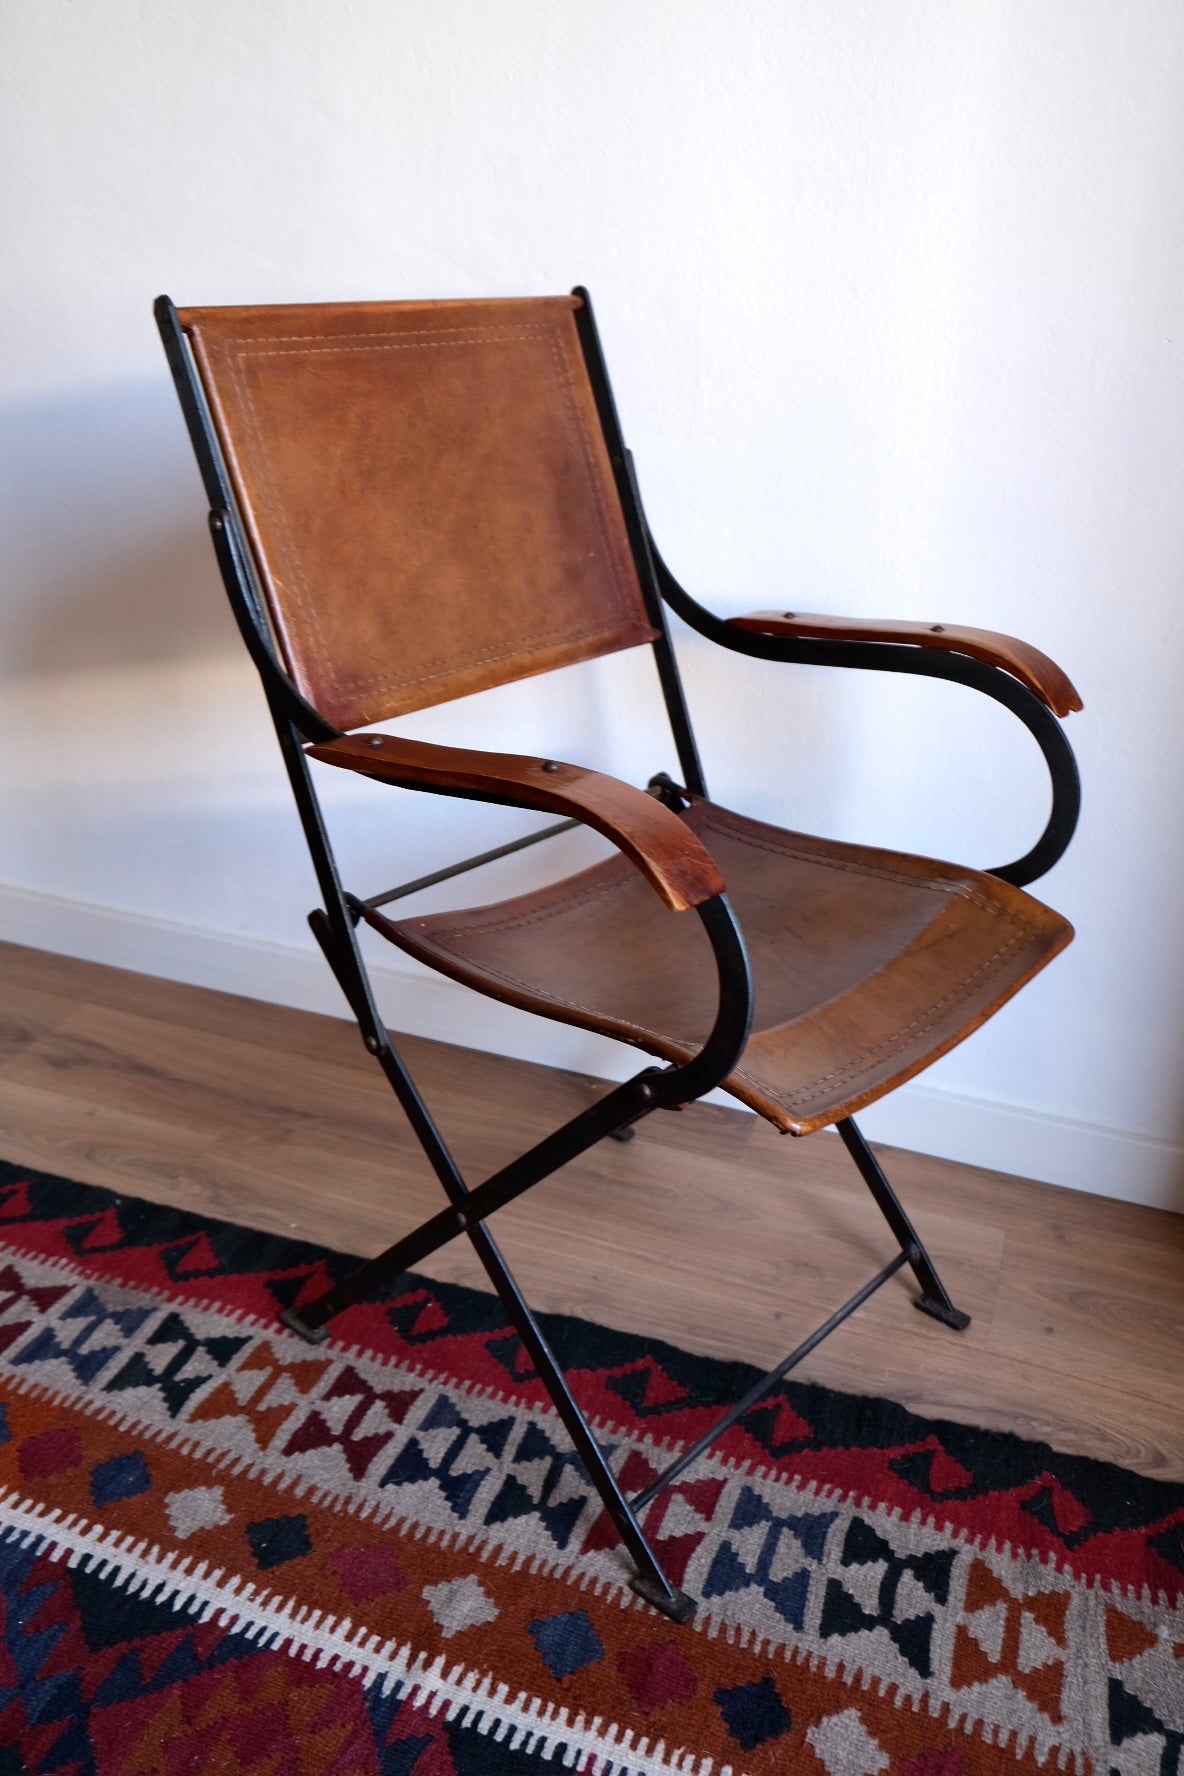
column 708, row 1229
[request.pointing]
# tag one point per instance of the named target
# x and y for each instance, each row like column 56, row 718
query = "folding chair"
column 414, row 501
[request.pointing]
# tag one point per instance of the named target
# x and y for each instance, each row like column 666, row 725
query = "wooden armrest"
column 670, row 856
column 1041, row 675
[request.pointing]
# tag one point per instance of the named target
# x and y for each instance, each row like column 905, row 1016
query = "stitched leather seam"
column 598, row 891
column 300, row 589
column 920, row 1026
column 616, row 559
column 237, row 350
column 268, row 345
column 537, row 992
column 971, row 895
column 873, row 871
column 863, row 1063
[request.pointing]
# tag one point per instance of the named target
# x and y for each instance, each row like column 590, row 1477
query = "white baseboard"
column 1004, row 1137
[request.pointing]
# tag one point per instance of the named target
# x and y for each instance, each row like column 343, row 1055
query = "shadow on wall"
column 105, row 558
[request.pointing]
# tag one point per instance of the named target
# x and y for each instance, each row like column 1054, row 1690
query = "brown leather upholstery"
column 432, row 510
column 868, row 964
column 427, row 492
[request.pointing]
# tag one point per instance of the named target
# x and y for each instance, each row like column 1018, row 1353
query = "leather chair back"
column 427, row 493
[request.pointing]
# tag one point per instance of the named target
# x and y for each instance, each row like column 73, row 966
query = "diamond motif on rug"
column 459, row 1604
column 51, row 1452
column 276, row 1540
column 658, row 1675
column 218, row 1546
column 754, row 1713
column 567, row 1643
column 124, row 1476
column 194, row 1508
column 365, row 1574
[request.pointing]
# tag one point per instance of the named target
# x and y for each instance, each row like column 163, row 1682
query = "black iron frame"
column 334, row 926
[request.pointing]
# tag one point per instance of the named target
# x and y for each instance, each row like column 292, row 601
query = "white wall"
column 891, row 294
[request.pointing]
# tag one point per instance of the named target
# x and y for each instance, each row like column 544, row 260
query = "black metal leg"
column 310, row 1323
column 650, row 1581
column 933, row 1299
column 603, row 1117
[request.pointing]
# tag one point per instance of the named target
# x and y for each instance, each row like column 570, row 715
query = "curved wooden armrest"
column 1042, row 676
column 670, row 856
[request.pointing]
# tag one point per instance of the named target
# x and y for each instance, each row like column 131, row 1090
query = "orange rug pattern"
column 221, row 1550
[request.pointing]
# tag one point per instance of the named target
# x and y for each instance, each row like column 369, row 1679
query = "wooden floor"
column 708, row 1229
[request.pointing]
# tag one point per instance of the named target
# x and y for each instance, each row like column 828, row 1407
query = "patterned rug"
column 224, row 1551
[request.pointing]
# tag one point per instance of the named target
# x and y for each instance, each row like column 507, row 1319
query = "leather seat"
column 868, row 964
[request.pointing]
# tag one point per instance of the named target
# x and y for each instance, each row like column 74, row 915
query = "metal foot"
column 943, row 1311
column 310, row 1334
column 933, row 1299
column 675, row 1604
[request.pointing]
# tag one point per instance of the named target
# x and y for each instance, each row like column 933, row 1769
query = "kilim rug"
column 223, row 1550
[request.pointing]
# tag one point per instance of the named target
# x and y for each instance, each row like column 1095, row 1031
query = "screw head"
column 789, row 614
column 551, row 765
column 937, row 628
column 374, row 739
